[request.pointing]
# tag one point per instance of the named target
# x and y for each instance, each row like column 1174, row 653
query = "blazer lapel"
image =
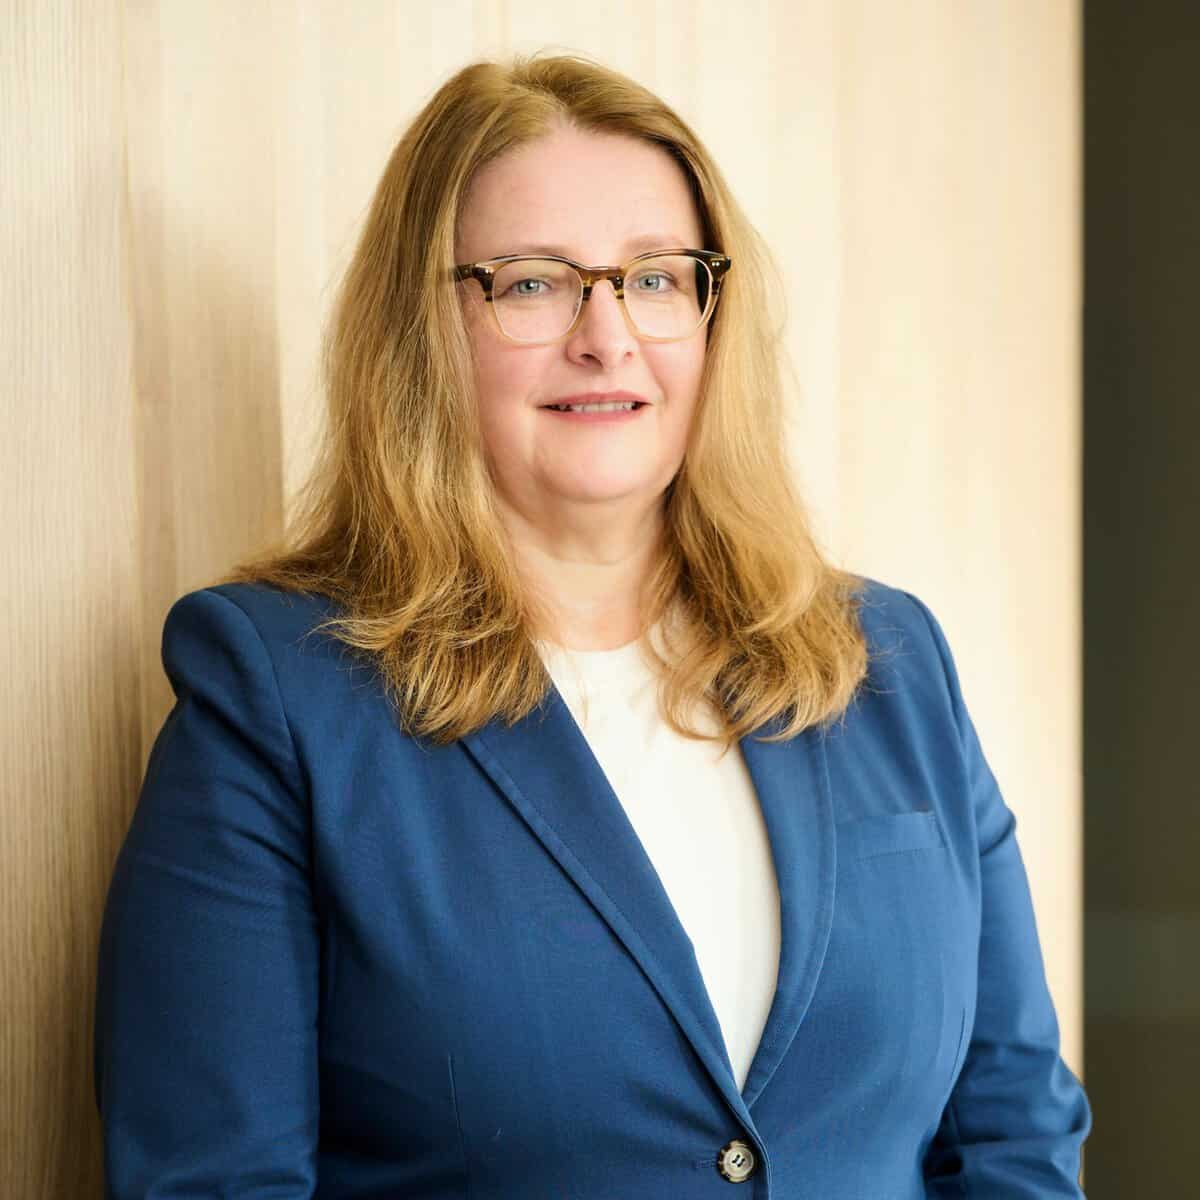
column 545, row 768
column 791, row 779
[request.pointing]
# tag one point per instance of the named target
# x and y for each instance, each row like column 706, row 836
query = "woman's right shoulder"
column 269, row 607
column 273, row 611
column 245, row 626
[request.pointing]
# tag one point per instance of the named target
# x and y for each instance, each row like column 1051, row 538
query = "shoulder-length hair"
column 397, row 524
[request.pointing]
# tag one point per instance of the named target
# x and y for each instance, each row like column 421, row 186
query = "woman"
column 442, row 881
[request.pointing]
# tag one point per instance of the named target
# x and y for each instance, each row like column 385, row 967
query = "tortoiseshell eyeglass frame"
column 718, row 264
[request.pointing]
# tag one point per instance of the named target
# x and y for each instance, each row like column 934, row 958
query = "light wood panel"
column 181, row 185
column 70, row 686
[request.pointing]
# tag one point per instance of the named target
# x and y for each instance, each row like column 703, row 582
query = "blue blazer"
column 342, row 962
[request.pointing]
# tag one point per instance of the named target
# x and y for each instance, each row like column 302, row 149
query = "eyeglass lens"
column 537, row 299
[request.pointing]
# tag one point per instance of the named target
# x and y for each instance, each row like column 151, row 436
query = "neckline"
column 623, row 666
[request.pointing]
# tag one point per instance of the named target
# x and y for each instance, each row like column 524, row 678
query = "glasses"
column 664, row 296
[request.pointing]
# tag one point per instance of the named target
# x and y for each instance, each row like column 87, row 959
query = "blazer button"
column 736, row 1161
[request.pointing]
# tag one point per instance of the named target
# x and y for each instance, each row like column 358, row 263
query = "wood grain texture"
column 70, row 688
column 180, row 186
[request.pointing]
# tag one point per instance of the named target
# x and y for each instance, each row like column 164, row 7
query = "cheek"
column 498, row 375
column 506, row 386
column 506, row 382
column 679, row 375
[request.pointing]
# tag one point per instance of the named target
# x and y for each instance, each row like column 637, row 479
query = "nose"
column 602, row 332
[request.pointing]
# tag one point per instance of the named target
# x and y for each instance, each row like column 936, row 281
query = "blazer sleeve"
column 207, row 976
column 1017, row 1117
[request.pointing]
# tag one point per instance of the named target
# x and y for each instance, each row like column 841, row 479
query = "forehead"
column 593, row 197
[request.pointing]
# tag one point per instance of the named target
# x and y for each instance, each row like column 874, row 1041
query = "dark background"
column 1142, row 597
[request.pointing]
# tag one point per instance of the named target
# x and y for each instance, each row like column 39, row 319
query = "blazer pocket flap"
column 889, row 833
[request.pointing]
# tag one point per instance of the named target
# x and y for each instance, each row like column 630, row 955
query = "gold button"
column 736, row 1161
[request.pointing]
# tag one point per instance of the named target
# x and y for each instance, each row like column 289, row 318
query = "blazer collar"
column 545, row 768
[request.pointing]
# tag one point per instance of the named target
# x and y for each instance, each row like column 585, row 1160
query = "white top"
column 700, row 823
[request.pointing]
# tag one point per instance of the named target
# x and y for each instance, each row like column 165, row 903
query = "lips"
column 571, row 407
column 619, row 397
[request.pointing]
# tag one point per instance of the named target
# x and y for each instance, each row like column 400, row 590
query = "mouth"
column 596, row 413
column 627, row 406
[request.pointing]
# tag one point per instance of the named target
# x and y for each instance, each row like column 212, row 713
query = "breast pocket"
column 889, row 833
column 898, row 931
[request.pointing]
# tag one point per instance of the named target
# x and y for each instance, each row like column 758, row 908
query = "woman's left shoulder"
column 907, row 739
column 908, row 653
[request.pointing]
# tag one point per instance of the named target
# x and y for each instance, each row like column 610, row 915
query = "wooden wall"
column 180, row 184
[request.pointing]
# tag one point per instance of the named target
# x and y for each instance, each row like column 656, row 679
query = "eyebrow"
column 645, row 241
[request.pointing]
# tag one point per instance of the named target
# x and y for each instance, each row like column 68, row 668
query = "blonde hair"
column 396, row 522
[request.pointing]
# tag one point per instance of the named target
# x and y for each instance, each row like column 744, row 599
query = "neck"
column 588, row 595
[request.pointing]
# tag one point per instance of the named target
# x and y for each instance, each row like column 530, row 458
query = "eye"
column 518, row 288
column 663, row 280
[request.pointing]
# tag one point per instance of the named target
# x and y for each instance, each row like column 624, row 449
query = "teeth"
column 593, row 407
